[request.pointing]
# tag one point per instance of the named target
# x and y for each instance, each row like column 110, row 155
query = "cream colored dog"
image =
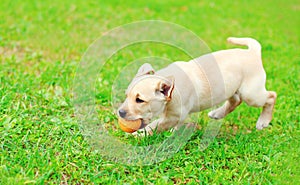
column 233, row 76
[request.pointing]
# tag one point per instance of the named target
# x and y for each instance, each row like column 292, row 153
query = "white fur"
column 233, row 76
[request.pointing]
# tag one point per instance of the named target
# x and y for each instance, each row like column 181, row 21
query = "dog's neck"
column 172, row 106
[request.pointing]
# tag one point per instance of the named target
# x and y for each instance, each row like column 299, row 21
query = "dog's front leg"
column 158, row 125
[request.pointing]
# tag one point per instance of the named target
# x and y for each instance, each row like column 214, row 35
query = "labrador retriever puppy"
column 229, row 76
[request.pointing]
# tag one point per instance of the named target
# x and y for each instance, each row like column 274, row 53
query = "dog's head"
column 146, row 96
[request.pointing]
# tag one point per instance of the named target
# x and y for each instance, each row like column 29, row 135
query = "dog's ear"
column 166, row 87
column 145, row 69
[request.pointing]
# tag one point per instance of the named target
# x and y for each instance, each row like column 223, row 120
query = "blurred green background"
column 41, row 43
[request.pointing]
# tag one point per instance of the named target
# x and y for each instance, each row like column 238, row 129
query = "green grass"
column 41, row 44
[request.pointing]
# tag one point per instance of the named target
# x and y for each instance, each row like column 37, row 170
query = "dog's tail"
column 252, row 44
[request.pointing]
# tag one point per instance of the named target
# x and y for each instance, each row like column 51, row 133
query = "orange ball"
column 129, row 125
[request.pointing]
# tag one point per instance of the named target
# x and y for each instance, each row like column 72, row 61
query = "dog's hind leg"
column 267, row 112
column 261, row 98
column 228, row 107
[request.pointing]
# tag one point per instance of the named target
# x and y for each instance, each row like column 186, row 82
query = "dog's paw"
column 216, row 114
column 261, row 124
column 138, row 134
column 142, row 133
column 263, row 121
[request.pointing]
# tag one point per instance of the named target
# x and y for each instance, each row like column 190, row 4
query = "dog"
column 172, row 93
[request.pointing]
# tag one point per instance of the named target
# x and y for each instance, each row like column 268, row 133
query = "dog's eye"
column 138, row 100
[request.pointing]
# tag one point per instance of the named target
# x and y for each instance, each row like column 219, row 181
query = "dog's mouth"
column 143, row 125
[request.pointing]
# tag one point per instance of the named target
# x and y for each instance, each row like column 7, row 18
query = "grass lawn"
column 41, row 44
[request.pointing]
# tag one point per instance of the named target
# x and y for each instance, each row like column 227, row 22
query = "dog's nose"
column 122, row 113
